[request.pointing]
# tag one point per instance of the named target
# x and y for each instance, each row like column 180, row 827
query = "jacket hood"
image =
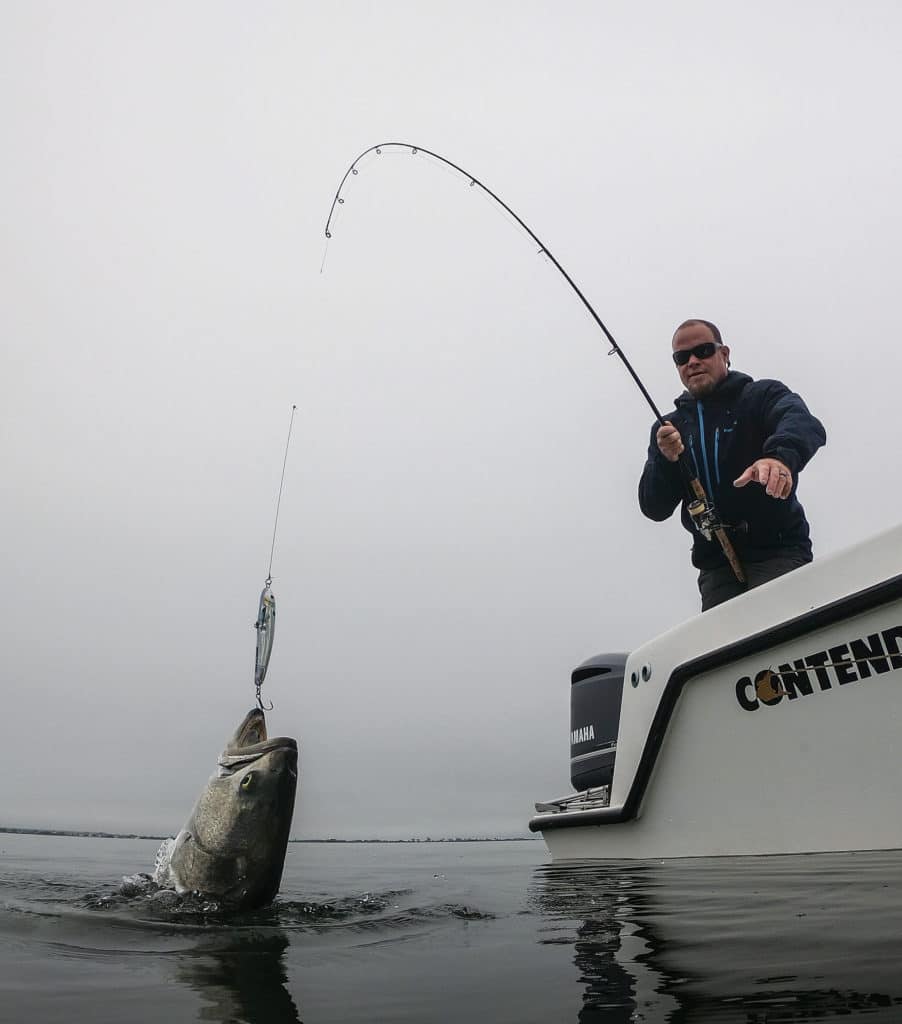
column 731, row 385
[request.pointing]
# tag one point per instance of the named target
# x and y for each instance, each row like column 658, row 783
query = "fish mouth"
column 250, row 743
column 252, row 730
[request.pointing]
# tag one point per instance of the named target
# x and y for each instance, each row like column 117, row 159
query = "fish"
column 232, row 847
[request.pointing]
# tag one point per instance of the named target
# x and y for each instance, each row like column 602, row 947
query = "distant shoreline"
column 79, row 834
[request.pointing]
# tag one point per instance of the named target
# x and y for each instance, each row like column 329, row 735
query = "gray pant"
column 719, row 585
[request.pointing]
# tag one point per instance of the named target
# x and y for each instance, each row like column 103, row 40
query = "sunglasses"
column 703, row 351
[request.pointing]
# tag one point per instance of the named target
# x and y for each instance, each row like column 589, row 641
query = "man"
column 747, row 440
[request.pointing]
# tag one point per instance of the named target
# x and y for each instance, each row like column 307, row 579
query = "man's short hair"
column 698, row 320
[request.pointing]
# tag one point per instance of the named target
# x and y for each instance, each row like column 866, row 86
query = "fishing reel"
column 705, row 518
column 708, row 522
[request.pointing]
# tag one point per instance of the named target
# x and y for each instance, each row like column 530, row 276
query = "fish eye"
column 247, row 781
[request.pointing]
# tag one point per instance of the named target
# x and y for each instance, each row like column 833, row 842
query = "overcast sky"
column 459, row 525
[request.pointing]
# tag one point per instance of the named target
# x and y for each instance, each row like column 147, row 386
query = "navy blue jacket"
column 724, row 433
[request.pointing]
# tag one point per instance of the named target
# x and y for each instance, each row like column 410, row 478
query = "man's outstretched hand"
column 772, row 474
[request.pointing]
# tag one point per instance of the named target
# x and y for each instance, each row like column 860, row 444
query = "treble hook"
column 260, row 704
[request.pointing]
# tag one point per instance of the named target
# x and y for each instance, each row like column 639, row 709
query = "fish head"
column 233, row 845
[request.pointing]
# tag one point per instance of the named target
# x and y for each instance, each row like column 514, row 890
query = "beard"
column 701, row 385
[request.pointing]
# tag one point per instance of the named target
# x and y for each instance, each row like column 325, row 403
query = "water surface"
column 452, row 932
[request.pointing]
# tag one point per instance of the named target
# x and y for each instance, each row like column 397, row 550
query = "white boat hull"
column 709, row 764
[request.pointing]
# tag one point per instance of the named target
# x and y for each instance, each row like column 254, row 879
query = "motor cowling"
column 596, row 689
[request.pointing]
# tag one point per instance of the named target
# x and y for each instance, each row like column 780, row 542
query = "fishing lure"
column 266, row 631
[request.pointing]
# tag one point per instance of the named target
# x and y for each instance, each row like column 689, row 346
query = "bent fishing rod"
column 699, row 505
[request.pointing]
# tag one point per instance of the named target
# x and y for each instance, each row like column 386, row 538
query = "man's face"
column 700, row 376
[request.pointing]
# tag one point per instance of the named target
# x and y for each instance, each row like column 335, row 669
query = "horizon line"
column 102, row 834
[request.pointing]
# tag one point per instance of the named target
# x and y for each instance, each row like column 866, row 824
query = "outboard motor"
column 596, row 688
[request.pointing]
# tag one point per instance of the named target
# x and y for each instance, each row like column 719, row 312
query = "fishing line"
column 266, row 615
column 279, row 499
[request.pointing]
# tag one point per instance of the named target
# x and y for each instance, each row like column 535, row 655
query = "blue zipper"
column 701, row 437
column 716, row 459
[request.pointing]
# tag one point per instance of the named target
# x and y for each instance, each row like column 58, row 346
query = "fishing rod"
column 266, row 615
column 699, row 505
